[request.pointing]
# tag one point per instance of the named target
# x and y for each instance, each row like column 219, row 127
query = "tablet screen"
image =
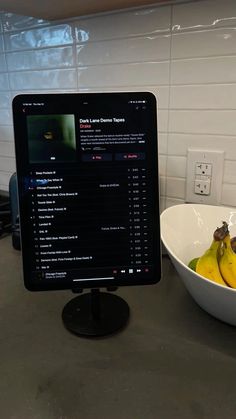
column 88, row 189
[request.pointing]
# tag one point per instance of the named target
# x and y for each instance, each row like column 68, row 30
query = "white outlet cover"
column 216, row 159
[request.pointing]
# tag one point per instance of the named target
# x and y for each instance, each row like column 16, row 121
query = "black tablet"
column 87, row 169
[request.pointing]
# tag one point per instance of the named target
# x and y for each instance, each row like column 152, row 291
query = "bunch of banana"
column 208, row 264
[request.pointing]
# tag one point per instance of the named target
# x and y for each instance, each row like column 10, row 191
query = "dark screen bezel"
column 22, row 162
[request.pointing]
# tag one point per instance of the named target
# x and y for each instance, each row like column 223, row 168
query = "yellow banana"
column 227, row 263
column 207, row 264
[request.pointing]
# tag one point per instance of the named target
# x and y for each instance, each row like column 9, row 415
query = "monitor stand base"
column 95, row 314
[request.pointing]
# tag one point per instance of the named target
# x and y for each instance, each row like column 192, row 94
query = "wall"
column 185, row 54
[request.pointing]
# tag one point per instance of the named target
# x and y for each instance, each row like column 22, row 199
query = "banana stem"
column 221, row 232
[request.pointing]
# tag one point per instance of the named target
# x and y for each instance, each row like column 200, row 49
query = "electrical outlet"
column 204, row 176
column 202, row 187
column 203, row 169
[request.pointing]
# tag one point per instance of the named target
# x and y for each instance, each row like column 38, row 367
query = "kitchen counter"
column 173, row 360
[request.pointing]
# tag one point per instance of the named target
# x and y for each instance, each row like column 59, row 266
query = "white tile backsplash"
column 203, row 14
column 162, row 165
column 162, row 142
column 228, row 195
column 124, row 74
column 176, row 166
column 230, row 172
column 7, row 149
column 44, row 79
column 162, row 185
column 218, row 122
column 6, row 133
column 155, row 48
column 38, row 38
column 1, row 43
column 3, row 66
column 4, row 180
column 184, row 53
column 169, row 202
column 162, row 203
column 163, row 121
column 4, row 84
column 5, row 117
column 206, row 96
column 44, row 58
column 205, row 43
column 7, row 164
column 204, row 70
column 179, row 143
column 175, row 187
column 5, row 100
column 136, row 22
column 11, row 22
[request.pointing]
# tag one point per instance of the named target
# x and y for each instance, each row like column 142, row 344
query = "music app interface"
column 89, row 190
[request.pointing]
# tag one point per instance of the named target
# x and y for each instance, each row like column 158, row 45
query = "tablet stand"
column 95, row 314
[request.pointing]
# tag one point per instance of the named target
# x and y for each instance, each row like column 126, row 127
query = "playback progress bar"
column 95, row 279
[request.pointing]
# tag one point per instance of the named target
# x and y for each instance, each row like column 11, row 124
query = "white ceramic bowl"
column 186, row 232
